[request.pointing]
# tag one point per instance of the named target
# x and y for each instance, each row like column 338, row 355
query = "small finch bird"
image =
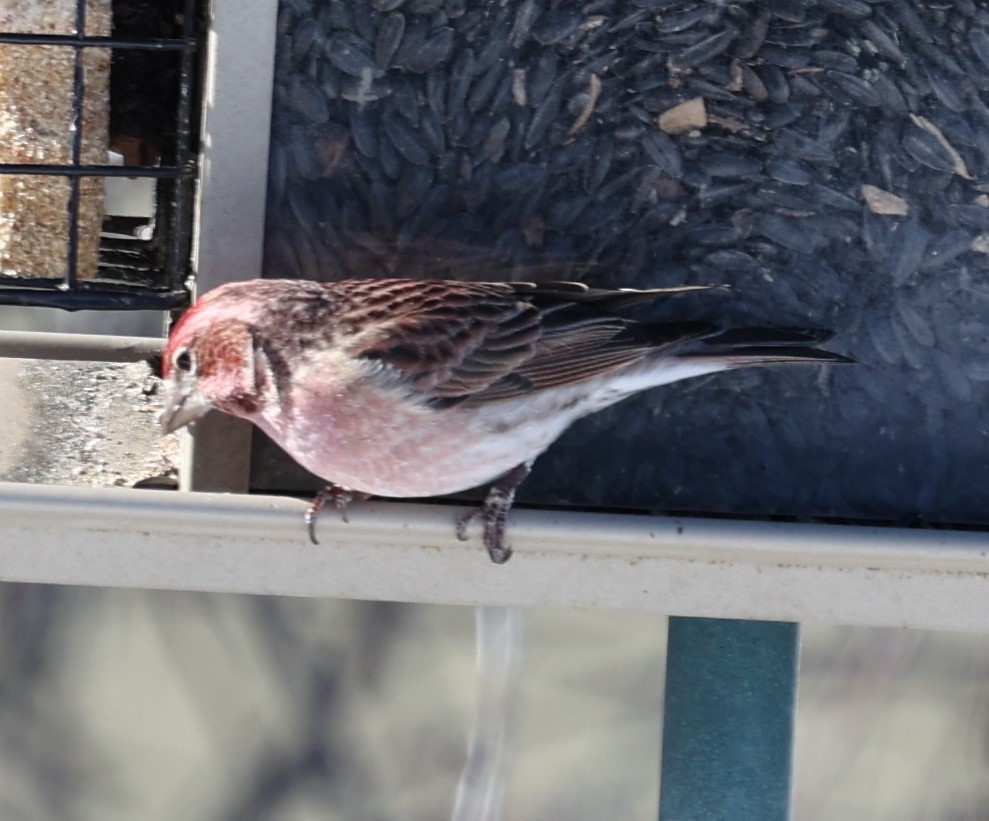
column 410, row 388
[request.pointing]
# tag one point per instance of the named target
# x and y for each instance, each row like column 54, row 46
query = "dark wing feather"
column 447, row 339
column 777, row 337
column 574, row 349
column 482, row 342
column 552, row 295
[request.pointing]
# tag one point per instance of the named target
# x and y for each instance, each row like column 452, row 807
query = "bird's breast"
column 380, row 441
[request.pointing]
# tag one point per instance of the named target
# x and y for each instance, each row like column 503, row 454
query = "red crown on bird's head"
column 185, row 328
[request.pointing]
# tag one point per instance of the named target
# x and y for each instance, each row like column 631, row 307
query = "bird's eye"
column 183, row 361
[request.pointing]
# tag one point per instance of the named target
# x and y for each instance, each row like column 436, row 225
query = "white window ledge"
column 404, row 552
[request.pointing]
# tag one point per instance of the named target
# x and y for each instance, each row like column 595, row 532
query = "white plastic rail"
column 406, row 552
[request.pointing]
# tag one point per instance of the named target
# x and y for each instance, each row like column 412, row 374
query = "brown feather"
column 490, row 341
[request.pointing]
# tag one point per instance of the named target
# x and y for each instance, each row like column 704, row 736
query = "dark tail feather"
column 766, row 346
column 741, row 357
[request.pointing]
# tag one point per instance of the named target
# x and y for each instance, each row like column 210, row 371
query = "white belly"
column 409, row 451
column 374, row 439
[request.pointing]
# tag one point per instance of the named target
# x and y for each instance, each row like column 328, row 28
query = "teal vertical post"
column 731, row 689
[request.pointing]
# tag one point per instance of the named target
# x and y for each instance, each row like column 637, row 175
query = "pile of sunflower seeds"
column 829, row 160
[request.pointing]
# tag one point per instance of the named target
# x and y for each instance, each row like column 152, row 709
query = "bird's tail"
column 741, row 347
column 713, row 351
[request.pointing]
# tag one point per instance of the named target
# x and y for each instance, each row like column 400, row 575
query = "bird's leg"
column 340, row 496
column 495, row 512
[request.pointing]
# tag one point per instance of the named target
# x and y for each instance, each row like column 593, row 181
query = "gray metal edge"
column 229, row 239
column 409, row 552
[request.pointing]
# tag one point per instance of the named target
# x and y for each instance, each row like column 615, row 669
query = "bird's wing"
column 479, row 342
column 606, row 299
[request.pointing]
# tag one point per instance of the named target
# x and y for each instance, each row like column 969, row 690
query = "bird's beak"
column 183, row 404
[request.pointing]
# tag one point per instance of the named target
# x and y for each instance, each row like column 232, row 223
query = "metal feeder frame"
column 160, row 266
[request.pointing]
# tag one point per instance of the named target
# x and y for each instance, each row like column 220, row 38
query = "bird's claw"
column 494, row 532
column 498, row 551
column 464, row 520
column 341, row 498
column 311, row 524
column 494, row 510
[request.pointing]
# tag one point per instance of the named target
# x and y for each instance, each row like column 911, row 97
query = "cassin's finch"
column 420, row 388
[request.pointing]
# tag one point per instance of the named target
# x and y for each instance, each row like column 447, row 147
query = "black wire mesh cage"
column 97, row 151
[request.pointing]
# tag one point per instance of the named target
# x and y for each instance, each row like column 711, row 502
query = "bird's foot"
column 341, row 498
column 494, row 511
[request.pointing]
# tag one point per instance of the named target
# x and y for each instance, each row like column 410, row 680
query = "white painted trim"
column 230, row 211
column 404, row 552
column 233, row 173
